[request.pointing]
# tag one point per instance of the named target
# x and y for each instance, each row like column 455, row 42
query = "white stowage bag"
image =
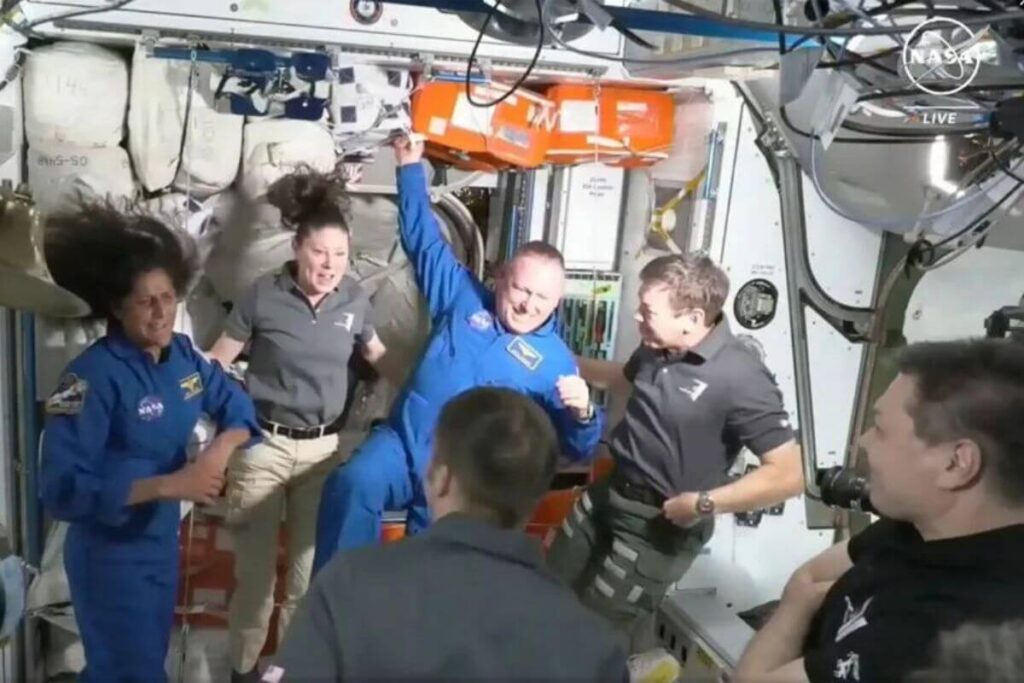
column 156, row 118
column 195, row 218
column 213, row 144
column 207, row 314
column 57, row 173
column 273, row 149
column 368, row 103
column 76, row 94
column 250, row 242
column 58, row 342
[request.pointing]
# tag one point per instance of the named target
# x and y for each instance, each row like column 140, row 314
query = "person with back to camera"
column 470, row 598
column 301, row 325
column 114, row 463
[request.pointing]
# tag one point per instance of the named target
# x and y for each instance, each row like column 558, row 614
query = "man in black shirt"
column 946, row 466
column 470, row 599
column 696, row 396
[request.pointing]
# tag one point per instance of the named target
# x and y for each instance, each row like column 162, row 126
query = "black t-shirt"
column 880, row 620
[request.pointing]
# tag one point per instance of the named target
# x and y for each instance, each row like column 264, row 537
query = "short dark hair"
column 310, row 200
column 97, row 251
column 695, row 281
column 973, row 389
column 993, row 653
column 502, row 449
column 541, row 250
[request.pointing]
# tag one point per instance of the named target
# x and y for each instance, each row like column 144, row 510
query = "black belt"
column 299, row 432
column 638, row 493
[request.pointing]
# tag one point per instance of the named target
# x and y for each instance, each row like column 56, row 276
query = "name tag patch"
column 69, row 398
column 151, row 408
column 481, row 320
column 524, row 353
column 192, row 386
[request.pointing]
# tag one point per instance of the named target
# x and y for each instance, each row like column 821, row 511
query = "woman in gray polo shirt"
column 301, row 325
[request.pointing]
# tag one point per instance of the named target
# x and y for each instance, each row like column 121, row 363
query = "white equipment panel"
column 401, row 32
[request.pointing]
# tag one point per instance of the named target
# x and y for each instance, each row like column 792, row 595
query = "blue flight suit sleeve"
column 439, row 274
column 224, row 399
column 578, row 439
column 79, row 484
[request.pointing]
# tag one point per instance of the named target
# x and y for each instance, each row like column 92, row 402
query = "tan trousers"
column 278, row 476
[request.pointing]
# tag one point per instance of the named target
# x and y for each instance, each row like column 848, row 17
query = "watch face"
column 705, row 505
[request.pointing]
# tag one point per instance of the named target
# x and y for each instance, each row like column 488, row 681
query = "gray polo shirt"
column 463, row 601
column 690, row 414
column 298, row 354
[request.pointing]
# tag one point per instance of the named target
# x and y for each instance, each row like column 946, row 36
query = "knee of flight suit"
column 128, row 619
column 360, row 481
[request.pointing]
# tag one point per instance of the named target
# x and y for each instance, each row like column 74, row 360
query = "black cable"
column 850, row 17
column 523, row 77
column 969, row 19
column 853, row 141
column 838, row 57
column 915, row 92
column 976, row 223
column 777, row 8
column 1004, row 167
column 914, row 133
column 859, row 59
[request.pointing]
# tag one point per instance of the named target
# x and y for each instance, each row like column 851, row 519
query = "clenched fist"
column 408, row 149
column 575, row 394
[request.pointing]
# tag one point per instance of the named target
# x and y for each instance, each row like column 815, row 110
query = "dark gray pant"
column 621, row 556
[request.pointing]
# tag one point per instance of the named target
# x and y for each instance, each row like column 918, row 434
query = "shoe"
column 250, row 677
column 654, row 666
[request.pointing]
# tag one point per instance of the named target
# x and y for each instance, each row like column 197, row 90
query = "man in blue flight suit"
column 504, row 338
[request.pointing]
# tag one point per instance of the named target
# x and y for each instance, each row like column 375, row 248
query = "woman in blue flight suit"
column 114, row 451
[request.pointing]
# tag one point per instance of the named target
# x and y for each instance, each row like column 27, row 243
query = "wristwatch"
column 705, row 504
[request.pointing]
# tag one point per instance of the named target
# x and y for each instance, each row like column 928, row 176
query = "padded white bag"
column 275, row 148
column 213, row 144
column 195, row 218
column 156, row 118
column 368, row 103
column 75, row 93
column 57, row 173
column 58, row 342
column 250, row 242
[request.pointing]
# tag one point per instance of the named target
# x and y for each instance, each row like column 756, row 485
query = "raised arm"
column 439, row 274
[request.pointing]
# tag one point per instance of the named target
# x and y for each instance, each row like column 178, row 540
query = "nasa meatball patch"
column 69, row 398
column 151, row 408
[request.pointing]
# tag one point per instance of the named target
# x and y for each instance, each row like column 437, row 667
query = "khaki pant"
column 278, row 476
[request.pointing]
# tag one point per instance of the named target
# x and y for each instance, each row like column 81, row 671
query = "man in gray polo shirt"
column 696, row 396
column 470, row 598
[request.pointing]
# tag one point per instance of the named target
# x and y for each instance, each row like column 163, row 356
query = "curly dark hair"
column 97, row 251
column 310, row 200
